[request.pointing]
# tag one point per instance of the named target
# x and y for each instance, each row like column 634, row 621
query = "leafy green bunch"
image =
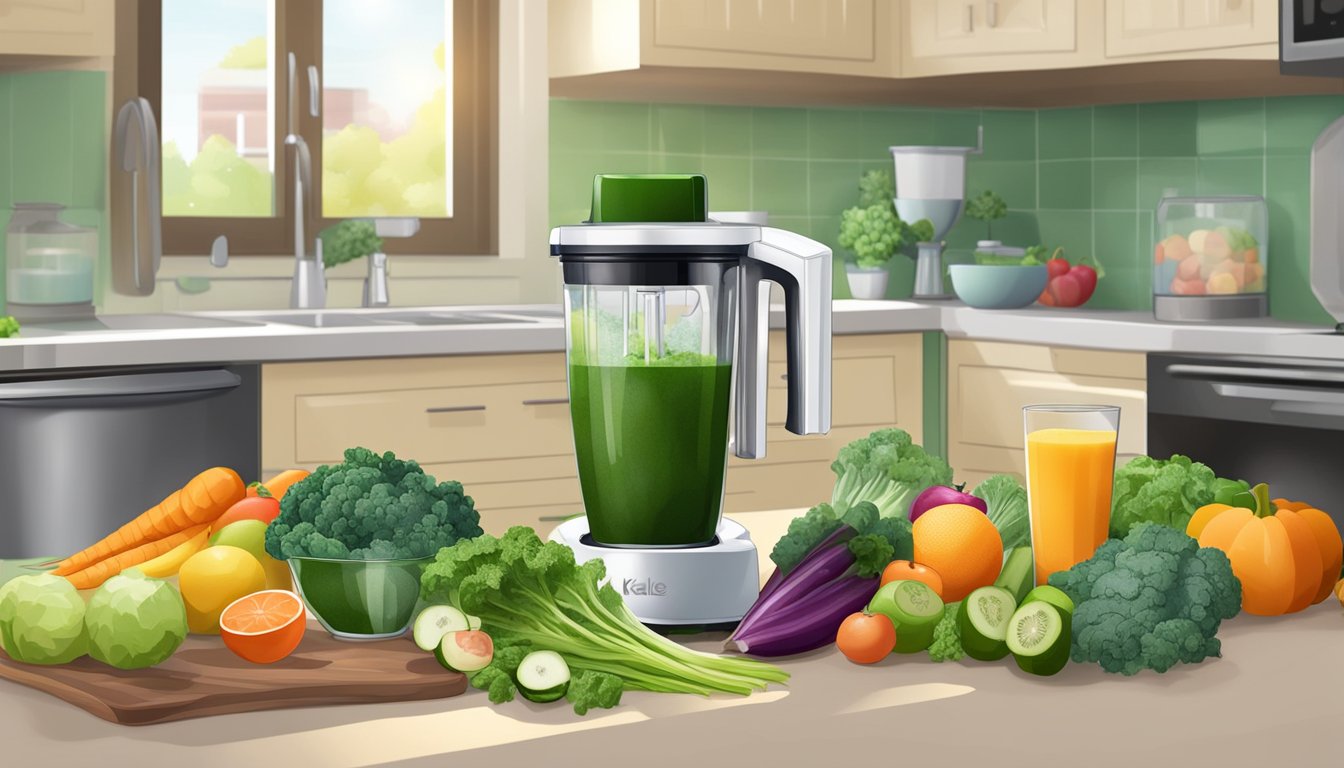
column 530, row 593
column 987, row 207
column 888, row 469
column 349, row 240
column 872, row 229
column 879, row 540
column 8, row 327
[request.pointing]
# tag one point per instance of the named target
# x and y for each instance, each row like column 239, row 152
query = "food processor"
column 48, row 265
column 931, row 184
column 666, row 313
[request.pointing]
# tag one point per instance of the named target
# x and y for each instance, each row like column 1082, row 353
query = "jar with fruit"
column 1210, row 258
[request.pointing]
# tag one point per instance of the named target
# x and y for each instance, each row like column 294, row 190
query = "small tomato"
column 866, row 638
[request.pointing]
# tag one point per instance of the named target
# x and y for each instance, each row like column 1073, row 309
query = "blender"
column 931, row 184
column 49, row 265
column 666, row 318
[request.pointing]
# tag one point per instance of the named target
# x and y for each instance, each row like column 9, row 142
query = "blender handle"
column 802, row 267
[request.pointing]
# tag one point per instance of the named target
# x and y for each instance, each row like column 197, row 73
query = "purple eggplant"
column 938, row 495
column 825, row 562
column 809, row 625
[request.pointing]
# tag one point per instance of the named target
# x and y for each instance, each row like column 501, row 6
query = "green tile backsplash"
column 1087, row 179
column 53, row 149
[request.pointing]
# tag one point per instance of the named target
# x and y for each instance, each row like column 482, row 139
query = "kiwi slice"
column 1038, row 636
column 914, row 608
column 983, row 620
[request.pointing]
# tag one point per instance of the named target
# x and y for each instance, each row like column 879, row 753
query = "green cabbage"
column 135, row 621
column 42, row 619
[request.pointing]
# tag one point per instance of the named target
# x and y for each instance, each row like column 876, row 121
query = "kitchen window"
column 395, row 101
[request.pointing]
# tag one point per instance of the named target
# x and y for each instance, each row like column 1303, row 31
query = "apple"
column 250, row 536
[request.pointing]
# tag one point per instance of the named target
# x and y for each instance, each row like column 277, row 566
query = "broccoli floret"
column 1149, row 600
column 497, row 677
column 370, row 507
column 887, row 469
column 877, row 537
column 349, row 240
column 8, row 327
column 593, row 690
column 947, row 636
column 804, row 534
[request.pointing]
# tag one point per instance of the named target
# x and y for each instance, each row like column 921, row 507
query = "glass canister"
column 49, row 264
column 1211, row 258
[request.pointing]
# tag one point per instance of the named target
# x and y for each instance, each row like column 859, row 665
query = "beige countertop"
column 1273, row 699
column 270, row 341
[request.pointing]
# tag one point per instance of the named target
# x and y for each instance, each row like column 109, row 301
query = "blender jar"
column 1210, row 258
column 650, row 381
column 49, row 264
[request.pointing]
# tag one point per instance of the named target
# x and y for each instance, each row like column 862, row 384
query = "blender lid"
column 577, row 238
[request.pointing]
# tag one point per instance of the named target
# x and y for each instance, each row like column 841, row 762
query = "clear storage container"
column 1210, row 258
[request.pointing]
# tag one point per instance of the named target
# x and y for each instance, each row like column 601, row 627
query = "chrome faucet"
column 375, row 284
column 309, row 287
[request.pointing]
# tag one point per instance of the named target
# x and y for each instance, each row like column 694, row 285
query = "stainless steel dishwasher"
column 82, row 453
column 1272, row 420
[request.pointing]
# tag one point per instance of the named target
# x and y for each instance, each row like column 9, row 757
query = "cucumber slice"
column 1038, row 636
column 467, row 650
column 914, row 608
column 1052, row 595
column 983, row 620
column 1017, row 573
column 542, row 676
column 436, row 621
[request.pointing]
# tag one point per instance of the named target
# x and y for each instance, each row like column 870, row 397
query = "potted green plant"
column 874, row 233
column 989, row 208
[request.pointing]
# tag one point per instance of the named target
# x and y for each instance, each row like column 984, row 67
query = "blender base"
column 706, row 585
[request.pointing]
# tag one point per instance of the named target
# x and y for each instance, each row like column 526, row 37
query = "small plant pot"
column 867, row 282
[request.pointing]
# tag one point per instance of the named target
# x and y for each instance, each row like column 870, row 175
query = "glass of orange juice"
column 1070, row 466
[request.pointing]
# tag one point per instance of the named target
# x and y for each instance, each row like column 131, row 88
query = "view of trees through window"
column 386, row 115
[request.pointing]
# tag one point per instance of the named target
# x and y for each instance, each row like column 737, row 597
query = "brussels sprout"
column 42, row 619
column 134, row 621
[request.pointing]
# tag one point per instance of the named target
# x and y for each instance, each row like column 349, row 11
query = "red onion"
column 938, row 495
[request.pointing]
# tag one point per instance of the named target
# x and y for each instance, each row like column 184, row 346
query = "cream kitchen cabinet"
column 943, row 37
column 77, row 28
column 1167, row 29
column 988, row 383
column 876, row 381
column 850, row 37
column 499, row 424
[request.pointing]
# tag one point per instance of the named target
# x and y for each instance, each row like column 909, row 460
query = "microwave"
column 1311, row 37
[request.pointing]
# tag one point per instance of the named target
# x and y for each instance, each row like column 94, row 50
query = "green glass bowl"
column 360, row 599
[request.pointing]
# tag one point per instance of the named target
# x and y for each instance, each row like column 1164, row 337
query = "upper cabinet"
column 956, row 36
column 79, row 28
column 845, row 37
column 1136, row 28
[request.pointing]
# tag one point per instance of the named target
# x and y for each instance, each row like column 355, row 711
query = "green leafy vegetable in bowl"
column 1149, row 601
column 370, row 507
column 527, row 591
column 1167, row 492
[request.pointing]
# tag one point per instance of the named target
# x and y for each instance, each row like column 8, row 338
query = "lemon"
column 211, row 579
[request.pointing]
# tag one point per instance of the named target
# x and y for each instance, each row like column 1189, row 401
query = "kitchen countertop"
column 272, row 342
column 1271, row 700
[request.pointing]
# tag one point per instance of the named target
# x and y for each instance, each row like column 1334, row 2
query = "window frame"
column 473, row 228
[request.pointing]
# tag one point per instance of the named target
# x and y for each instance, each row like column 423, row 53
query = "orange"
column 263, row 627
column 961, row 545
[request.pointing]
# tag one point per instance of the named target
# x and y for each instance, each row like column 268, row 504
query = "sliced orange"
column 263, row 627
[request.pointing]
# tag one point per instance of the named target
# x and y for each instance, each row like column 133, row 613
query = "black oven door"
column 1265, row 420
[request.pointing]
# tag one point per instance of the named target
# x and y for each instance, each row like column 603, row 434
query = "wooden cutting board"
column 204, row 678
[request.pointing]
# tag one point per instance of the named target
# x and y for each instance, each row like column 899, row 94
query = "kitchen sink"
column 163, row 322
column 346, row 319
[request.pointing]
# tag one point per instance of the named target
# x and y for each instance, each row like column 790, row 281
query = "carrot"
column 106, row 568
column 201, row 500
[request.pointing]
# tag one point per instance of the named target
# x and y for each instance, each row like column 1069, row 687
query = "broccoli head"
column 594, row 690
column 370, row 507
column 888, row 469
column 946, row 644
column 1149, row 601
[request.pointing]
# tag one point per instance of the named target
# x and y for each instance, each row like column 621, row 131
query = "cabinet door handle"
column 992, row 13
column 970, row 18
column 548, row 401
column 455, row 408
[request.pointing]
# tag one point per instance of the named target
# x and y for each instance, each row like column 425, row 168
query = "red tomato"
column 263, row 508
column 866, row 638
column 1087, row 278
column 904, row 570
column 1056, row 267
column 1067, row 290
